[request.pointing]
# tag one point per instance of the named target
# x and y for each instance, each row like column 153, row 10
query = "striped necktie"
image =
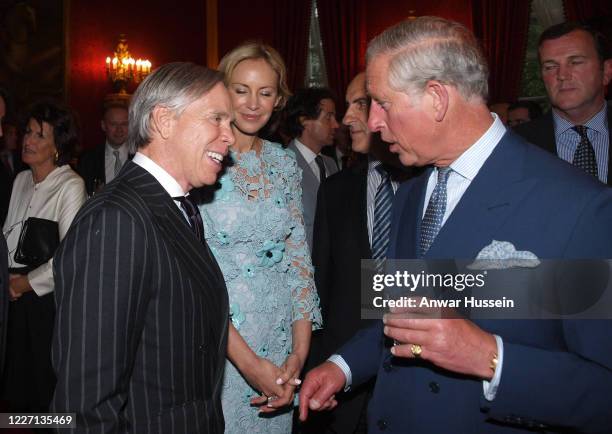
column 193, row 214
column 584, row 157
column 434, row 214
column 382, row 218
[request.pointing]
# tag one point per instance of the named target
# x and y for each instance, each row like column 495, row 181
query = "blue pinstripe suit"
column 142, row 315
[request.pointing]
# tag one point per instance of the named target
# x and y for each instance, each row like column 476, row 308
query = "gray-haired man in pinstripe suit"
column 142, row 311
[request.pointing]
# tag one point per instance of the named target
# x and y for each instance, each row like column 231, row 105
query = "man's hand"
column 319, row 388
column 457, row 345
column 18, row 285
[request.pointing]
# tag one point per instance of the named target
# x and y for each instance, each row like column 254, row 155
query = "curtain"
column 291, row 25
column 548, row 14
column 587, row 10
column 501, row 26
column 343, row 36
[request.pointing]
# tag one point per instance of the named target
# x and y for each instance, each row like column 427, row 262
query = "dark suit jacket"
column 91, row 167
column 557, row 374
column 4, row 300
column 340, row 241
column 6, row 183
column 541, row 132
column 142, row 315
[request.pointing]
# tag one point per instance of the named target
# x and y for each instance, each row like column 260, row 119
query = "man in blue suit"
column 428, row 83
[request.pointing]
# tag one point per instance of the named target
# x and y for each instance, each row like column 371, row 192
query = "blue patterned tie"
column 432, row 221
column 382, row 218
column 584, row 156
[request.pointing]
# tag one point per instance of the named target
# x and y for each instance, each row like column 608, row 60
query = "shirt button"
column 434, row 387
column 382, row 424
column 202, row 348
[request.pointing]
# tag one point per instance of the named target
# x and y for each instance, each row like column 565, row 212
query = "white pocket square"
column 500, row 255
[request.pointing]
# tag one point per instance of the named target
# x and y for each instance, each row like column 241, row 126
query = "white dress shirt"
column 309, row 156
column 58, row 198
column 464, row 170
column 598, row 132
column 166, row 180
column 109, row 159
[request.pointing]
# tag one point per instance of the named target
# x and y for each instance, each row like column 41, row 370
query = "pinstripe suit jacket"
column 142, row 315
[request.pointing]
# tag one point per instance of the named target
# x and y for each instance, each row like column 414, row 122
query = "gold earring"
column 56, row 156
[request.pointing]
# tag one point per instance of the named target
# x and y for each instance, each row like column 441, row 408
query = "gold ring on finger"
column 416, row 350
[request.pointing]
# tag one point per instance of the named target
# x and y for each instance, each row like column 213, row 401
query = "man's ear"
column 103, row 125
column 162, row 121
column 303, row 120
column 607, row 72
column 438, row 93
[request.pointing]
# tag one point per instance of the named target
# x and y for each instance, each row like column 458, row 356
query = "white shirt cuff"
column 339, row 361
column 490, row 387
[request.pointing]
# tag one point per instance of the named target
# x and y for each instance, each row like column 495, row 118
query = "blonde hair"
column 257, row 50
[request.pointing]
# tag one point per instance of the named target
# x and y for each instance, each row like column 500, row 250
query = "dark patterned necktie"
column 193, row 213
column 584, row 157
column 434, row 215
column 383, row 203
column 117, row 167
column 322, row 173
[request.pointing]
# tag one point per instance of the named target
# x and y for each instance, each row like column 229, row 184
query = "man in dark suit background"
column 142, row 309
column 343, row 233
column 576, row 69
column 486, row 186
column 4, row 287
column 100, row 165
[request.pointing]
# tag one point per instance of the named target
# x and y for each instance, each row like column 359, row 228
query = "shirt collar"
column 469, row 163
column 164, row 178
column 123, row 149
column 598, row 122
column 306, row 152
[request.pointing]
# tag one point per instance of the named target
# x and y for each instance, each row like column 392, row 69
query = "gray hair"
column 432, row 48
column 174, row 86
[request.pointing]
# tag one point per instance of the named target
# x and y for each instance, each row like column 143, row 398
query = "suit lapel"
column 497, row 189
column 410, row 217
column 307, row 175
column 360, row 201
column 196, row 256
column 610, row 144
column 100, row 169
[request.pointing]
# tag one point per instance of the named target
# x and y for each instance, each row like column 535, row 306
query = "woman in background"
column 50, row 190
column 254, row 227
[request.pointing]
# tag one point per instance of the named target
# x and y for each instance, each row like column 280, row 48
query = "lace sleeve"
column 305, row 300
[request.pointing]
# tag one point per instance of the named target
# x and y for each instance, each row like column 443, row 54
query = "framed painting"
column 33, row 49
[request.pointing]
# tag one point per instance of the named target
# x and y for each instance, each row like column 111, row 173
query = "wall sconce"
column 122, row 69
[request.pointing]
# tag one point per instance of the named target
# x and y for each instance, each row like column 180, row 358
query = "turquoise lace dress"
column 255, row 229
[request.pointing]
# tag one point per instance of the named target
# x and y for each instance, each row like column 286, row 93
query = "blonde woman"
column 255, row 229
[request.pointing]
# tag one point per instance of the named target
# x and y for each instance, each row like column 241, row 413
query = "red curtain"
column 343, row 36
column 501, row 26
column 586, row 10
column 291, row 25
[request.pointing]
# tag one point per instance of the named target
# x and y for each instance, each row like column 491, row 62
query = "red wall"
column 159, row 30
column 385, row 13
column 165, row 31
column 240, row 20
